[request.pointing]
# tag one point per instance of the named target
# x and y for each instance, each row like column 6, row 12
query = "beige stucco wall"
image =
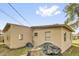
column 66, row 44
column 57, row 37
column 14, row 32
column 7, row 33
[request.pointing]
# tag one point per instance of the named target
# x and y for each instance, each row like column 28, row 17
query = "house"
column 17, row 36
column 59, row 34
column 1, row 36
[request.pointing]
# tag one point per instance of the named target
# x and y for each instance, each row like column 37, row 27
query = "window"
column 65, row 36
column 70, row 36
column 47, row 35
column 3, row 41
column 8, row 37
column 20, row 36
column 35, row 34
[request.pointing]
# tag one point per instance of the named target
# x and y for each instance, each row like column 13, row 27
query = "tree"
column 72, row 15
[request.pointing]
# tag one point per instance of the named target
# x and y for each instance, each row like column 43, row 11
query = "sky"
column 34, row 13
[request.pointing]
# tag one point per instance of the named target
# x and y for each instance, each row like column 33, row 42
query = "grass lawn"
column 74, row 50
column 16, row 52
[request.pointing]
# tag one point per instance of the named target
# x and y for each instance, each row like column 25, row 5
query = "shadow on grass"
column 5, row 51
column 72, row 51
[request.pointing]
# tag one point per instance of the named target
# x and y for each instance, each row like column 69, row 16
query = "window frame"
column 36, row 34
column 7, row 37
column 65, row 36
column 20, row 36
column 70, row 36
column 47, row 38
